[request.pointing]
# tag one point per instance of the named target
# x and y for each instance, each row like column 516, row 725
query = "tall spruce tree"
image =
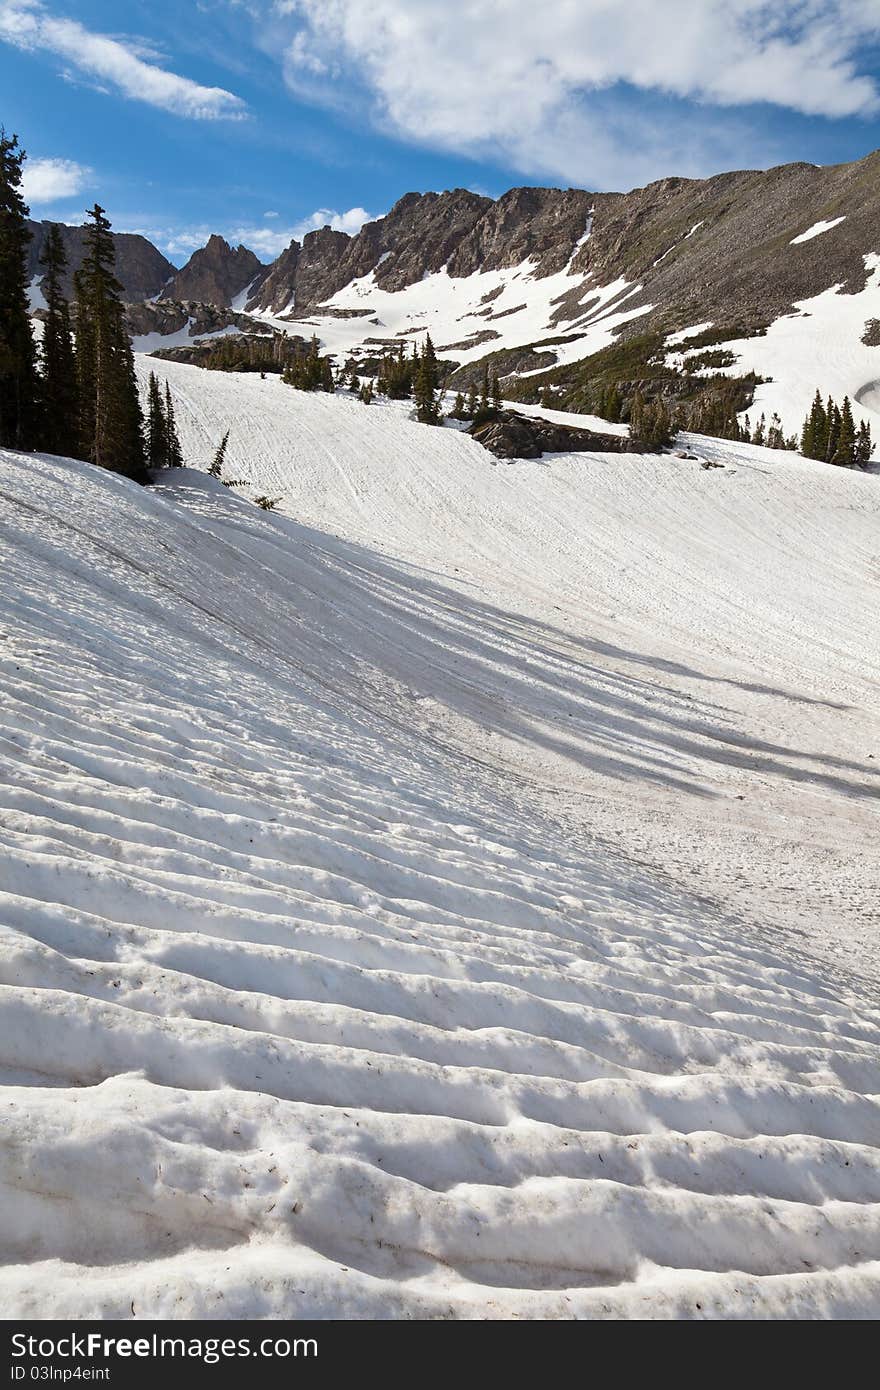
column 846, row 437
column 157, row 438
column 18, row 358
column 832, row 411
column 173, row 451
column 59, row 400
column 111, row 425
column 425, row 384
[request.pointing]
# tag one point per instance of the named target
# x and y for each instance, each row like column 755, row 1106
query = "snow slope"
column 336, row 979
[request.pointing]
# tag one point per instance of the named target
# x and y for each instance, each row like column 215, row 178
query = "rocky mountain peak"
column 215, row 274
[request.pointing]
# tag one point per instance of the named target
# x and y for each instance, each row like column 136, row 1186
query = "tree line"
column 78, row 395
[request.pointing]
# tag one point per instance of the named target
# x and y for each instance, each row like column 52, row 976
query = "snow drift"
column 333, row 980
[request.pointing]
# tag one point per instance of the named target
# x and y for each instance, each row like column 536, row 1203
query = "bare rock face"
column 215, row 274
column 275, row 292
column 168, row 316
column 418, row 236
column 140, row 268
column 541, row 224
column 509, row 435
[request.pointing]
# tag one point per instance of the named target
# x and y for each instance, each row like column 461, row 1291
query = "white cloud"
column 538, row 85
column 102, row 59
column 49, row 180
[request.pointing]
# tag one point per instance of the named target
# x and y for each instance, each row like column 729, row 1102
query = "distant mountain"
column 140, row 268
column 216, row 274
column 568, row 292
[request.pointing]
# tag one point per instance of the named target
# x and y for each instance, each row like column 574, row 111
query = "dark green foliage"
column 251, row 352
column 458, row 409
column 846, row 437
column 267, row 504
column 830, row 434
column 832, row 411
column 864, row 446
column 311, row 372
column 163, row 443
column 397, row 374
column 650, row 422
column 174, row 453
column 216, row 468
column 18, row 358
column 157, row 445
column 814, row 436
column 110, row 414
column 425, row 385
column 366, row 393
column 59, row 403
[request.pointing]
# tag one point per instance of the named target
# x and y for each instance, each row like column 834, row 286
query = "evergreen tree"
column 471, row 403
column 833, row 413
column 760, row 431
column 864, row 446
column 366, row 393
column 173, row 451
column 496, row 393
column 18, row 358
column 216, row 468
column 425, row 390
column 157, row 435
column 59, row 404
column 458, row 410
column 814, row 437
column 110, row 415
column 775, row 434
column 483, row 407
column 844, row 452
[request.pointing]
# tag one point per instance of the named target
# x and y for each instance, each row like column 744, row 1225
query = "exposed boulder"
column 509, row 435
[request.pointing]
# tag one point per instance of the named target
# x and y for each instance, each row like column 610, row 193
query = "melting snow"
column 816, row 230
column 454, row 901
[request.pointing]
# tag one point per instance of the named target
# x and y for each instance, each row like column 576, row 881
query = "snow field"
column 334, row 979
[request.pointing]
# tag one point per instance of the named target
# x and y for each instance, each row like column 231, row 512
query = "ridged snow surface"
column 343, row 973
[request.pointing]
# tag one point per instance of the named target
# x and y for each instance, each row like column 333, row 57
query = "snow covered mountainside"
column 769, row 274
column 454, row 896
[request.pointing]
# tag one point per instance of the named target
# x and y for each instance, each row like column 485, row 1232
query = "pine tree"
column 483, row 407
column 157, row 434
column 846, row 439
column 775, row 434
column 425, row 385
column 458, row 409
column 173, row 451
column 471, row 403
column 216, row 468
column 111, row 425
column 18, row 358
column 834, row 420
column 59, row 404
column 496, row 393
column 760, row 431
column 814, row 437
column 864, row 446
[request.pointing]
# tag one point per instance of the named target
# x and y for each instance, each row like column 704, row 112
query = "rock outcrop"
column 140, row 268
column 509, row 435
column 215, row 274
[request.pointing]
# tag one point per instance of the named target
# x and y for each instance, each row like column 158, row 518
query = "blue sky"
column 262, row 118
